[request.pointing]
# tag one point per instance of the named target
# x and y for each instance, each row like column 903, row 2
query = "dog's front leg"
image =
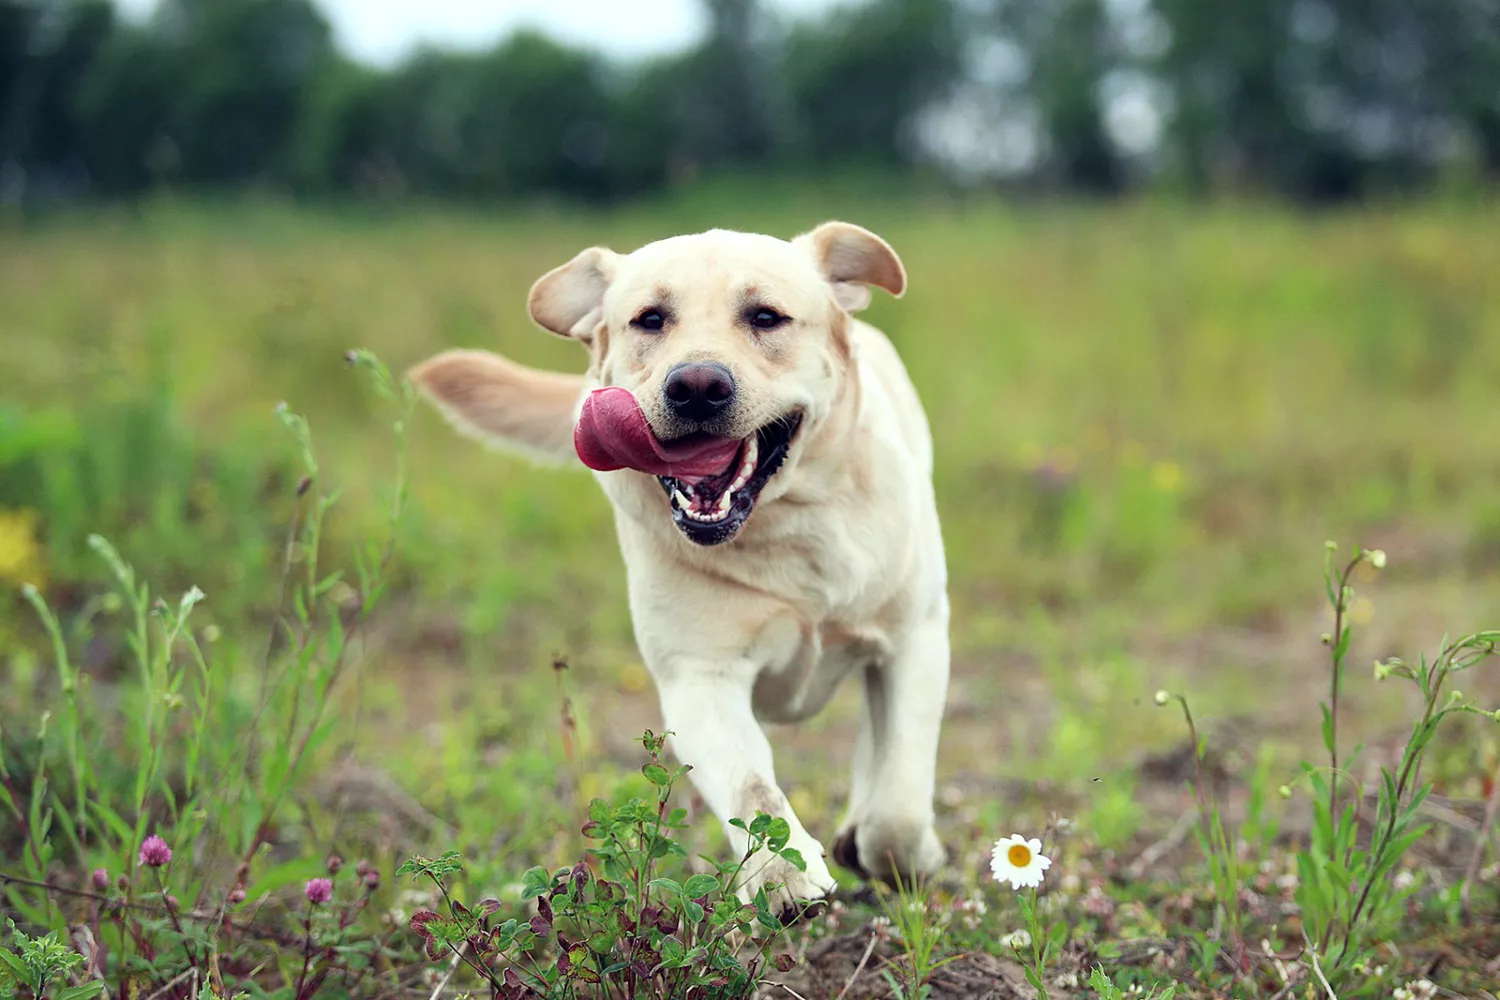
column 707, row 710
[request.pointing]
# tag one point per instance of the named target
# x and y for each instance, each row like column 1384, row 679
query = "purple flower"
column 101, row 880
column 318, row 890
column 155, row 852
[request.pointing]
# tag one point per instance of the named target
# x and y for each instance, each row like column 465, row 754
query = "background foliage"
column 1319, row 99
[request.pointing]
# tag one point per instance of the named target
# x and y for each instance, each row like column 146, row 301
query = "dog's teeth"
column 725, row 501
column 682, row 500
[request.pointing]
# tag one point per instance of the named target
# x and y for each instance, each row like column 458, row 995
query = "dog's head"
column 721, row 337
column 718, row 355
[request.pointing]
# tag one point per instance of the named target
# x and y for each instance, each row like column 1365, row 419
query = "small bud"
column 101, row 880
column 371, row 879
column 1162, row 697
column 1331, row 545
column 351, row 357
column 1455, row 698
column 122, row 883
column 111, row 602
column 335, row 864
column 1326, row 638
column 1285, row 791
column 236, row 896
column 303, row 485
column 1376, row 558
column 171, row 901
column 212, row 634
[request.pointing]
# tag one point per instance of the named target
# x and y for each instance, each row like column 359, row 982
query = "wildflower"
column 1404, row 880
column 101, row 880
column 318, row 890
column 1017, row 939
column 1166, row 476
column 1019, row 861
column 1417, row 989
column 21, row 556
column 1376, row 558
column 155, row 852
column 1162, row 697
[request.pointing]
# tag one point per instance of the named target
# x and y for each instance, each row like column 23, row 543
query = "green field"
column 1148, row 419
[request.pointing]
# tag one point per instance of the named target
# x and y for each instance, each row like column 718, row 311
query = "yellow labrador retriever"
column 770, row 468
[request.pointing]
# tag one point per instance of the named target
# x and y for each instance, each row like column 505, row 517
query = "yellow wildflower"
column 1166, row 476
column 21, row 557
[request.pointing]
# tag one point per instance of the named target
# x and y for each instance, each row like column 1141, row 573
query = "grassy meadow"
column 1148, row 418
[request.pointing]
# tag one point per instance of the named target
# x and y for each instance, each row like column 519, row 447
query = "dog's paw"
column 790, row 893
column 882, row 847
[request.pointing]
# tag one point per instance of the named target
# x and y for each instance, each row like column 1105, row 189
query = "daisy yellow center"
column 1019, row 855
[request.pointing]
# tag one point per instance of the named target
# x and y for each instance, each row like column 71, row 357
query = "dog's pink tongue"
column 612, row 433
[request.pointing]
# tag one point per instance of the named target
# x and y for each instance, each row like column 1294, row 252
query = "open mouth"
column 712, row 509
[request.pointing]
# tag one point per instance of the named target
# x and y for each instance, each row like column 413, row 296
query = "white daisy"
column 1019, row 861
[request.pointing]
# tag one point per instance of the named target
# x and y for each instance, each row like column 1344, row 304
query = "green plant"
column 1105, row 989
column 921, row 928
column 38, row 965
column 613, row 924
column 200, row 765
column 1219, row 850
column 1345, row 892
column 1346, row 897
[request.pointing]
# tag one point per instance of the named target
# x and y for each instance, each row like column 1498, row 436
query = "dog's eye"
column 767, row 319
column 651, row 319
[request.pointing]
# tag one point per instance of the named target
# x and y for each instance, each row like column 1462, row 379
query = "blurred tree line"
column 1317, row 99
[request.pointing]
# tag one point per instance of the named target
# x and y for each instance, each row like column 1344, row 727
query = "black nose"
column 699, row 391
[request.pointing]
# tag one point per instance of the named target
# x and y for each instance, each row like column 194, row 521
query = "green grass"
column 1149, row 417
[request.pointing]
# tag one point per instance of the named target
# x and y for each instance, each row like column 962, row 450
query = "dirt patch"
column 850, row 966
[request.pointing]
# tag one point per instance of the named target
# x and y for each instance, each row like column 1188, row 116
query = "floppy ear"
column 569, row 300
column 852, row 259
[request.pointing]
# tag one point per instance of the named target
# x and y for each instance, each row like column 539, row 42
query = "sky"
column 382, row 31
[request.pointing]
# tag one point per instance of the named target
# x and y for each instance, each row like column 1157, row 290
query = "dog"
column 770, row 468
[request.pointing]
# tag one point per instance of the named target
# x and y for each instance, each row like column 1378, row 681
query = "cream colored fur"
column 840, row 569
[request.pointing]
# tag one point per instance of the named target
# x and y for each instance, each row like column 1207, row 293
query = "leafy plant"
column 202, row 764
column 1105, row 989
column 1345, row 892
column 38, row 965
column 614, row 924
